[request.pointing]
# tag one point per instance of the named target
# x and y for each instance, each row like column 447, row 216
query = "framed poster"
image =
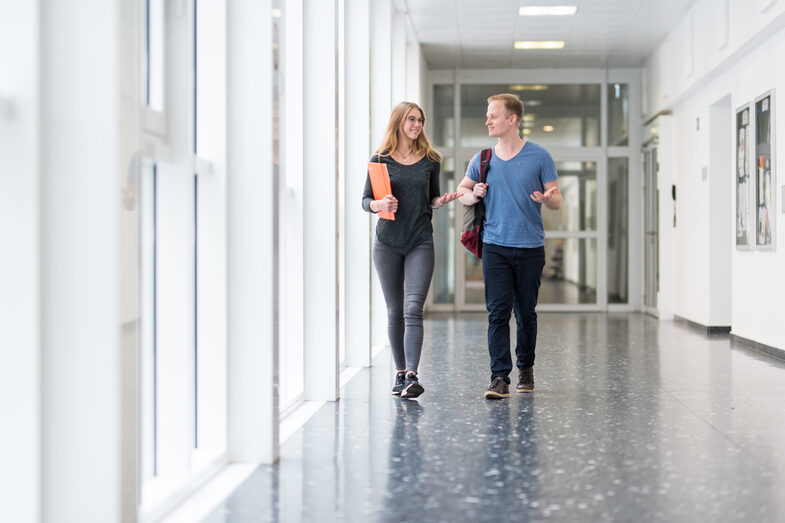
column 744, row 238
column 765, row 175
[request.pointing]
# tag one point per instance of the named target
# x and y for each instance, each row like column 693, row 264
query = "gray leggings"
column 405, row 277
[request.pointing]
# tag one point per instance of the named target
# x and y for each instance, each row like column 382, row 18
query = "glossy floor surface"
column 632, row 420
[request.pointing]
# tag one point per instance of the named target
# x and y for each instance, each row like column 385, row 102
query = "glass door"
column 651, row 224
column 470, row 289
column 571, row 237
column 585, row 127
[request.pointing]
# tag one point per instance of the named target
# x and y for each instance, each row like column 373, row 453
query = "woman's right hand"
column 388, row 204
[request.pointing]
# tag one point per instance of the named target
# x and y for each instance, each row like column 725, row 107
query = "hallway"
column 631, row 419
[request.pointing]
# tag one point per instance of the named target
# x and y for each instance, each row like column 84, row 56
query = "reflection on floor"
column 631, row 420
column 551, row 291
column 563, row 291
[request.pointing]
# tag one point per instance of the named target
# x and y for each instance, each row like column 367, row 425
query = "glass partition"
column 618, row 205
column 444, row 238
column 566, row 119
column 618, row 114
column 570, row 273
column 441, row 128
column 578, row 187
column 554, row 115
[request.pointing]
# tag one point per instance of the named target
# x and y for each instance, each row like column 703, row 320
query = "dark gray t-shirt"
column 415, row 186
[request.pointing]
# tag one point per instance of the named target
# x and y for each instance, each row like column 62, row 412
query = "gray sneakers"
column 400, row 379
column 412, row 387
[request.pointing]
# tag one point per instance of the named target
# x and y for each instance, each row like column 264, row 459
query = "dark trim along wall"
column 716, row 329
column 761, row 347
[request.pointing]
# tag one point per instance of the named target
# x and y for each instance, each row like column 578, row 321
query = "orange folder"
column 380, row 182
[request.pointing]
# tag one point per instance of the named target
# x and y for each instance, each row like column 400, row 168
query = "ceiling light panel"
column 539, row 44
column 548, row 10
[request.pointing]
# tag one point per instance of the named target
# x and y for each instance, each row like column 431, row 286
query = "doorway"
column 651, row 198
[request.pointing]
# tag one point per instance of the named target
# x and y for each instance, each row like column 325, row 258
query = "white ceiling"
column 480, row 33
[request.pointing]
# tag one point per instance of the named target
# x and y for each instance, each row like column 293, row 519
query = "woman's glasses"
column 413, row 120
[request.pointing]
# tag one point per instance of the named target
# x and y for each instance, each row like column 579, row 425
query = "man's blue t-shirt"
column 512, row 218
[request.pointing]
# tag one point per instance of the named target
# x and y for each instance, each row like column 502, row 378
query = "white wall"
column 381, row 104
column 666, row 157
column 20, row 209
column 252, row 307
column 688, row 83
column 357, row 322
column 80, row 273
column 720, row 176
column 320, row 198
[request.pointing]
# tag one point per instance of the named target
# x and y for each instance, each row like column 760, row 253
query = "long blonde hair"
column 390, row 141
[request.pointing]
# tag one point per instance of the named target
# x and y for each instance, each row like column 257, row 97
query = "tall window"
column 181, row 184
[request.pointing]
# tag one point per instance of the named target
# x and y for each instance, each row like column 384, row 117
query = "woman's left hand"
column 444, row 199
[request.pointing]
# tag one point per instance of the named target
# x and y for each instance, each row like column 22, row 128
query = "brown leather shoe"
column 525, row 380
column 498, row 389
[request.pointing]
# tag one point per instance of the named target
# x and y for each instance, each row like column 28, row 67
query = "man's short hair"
column 512, row 104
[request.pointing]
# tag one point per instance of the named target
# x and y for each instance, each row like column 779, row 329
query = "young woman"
column 403, row 249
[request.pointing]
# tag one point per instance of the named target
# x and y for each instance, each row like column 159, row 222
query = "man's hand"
column 551, row 198
column 480, row 190
column 539, row 197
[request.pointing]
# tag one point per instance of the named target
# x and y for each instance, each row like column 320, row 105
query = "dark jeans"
column 512, row 282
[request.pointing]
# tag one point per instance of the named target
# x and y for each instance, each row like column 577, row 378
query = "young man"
column 522, row 177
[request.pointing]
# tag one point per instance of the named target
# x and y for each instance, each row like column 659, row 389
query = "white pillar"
column 381, row 105
column 251, row 222
column 211, row 225
column 415, row 74
column 398, row 62
column 721, row 182
column 130, row 251
column 666, row 157
column 20, row 208
column 358, row 150
column 320, row 198
column 80, row 362
column 291, row 127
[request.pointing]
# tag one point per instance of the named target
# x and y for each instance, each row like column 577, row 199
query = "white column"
column 358, row 150
column 415, row 74
column 666, row 157
column 20, row 208
column 399, row 68
column 320, row 198
column 721, row 218
column 381, row 105
column 130, row 252
column 292, row 128
column 251, row 220
column 81, row 380
column 211, row 225
column 175, row 236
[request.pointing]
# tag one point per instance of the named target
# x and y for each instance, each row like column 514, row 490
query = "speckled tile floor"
column 631, row 420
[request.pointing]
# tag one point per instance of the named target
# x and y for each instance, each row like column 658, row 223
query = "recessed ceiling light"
column 276, row 12
column 548, row 128
column 527, row 131
column 541, row 44
column 548, row 10
column 528, row 87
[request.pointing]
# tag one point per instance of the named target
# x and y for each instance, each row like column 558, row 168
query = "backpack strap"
column 485, row 163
